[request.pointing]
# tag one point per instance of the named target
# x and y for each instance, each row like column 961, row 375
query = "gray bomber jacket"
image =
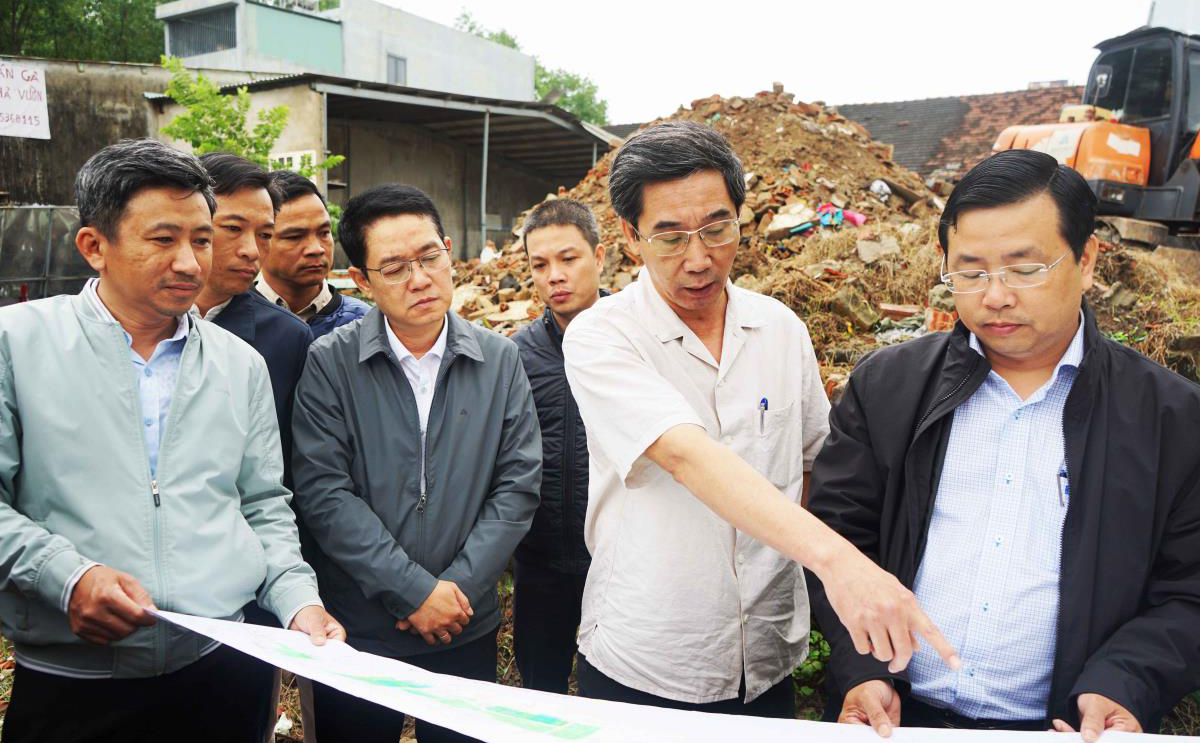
column 378, row 546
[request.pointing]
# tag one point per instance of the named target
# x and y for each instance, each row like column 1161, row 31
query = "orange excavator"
column 1134, row 135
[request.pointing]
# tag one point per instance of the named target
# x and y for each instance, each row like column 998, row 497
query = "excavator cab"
column 1135, row 138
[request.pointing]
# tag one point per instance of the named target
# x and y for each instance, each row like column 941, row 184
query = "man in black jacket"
column 565, row 259
column 1035, row 483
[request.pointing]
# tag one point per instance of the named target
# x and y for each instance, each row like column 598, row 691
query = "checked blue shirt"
column 989, row 578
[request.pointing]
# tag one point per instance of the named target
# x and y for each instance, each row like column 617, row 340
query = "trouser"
column 269, row 714
column 917, row 714
column 342, row 718
column 546, row 606
column 778, row 701
column 217, row 698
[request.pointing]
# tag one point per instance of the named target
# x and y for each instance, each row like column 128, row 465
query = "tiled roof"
column 950, row 135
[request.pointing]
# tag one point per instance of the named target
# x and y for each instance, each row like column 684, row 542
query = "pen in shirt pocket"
column 1064, row 486
column 762, row 416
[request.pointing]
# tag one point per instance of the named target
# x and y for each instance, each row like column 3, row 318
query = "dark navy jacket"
column 555, row 541
column 338, row 312
column 282, row 339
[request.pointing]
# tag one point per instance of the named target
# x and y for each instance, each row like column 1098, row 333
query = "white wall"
column 439, row 57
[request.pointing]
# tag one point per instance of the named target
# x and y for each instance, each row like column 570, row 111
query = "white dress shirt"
column 678, row 603
column 422, row 377
column 989, row 578
column 324, row 297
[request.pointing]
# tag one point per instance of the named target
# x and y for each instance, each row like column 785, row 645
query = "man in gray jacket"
column 417, row 463
column 140, row 466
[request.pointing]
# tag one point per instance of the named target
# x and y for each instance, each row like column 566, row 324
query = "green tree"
column 214, row 122
column 571, row 91
column 112, row 30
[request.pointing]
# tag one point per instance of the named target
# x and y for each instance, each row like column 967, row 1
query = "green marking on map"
column 285, row 650
column 546, row 724
column 535, row 723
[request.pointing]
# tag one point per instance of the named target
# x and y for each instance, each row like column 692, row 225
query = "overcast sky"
column 649, row 57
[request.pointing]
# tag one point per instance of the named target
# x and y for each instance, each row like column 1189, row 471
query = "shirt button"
column 148, row 422
column 999, row 540
column 971, row 672
column 985, row 606
column 741, row 559
column 149, row 373
column 745, row 618
column 1008, row 479
column 728, row 440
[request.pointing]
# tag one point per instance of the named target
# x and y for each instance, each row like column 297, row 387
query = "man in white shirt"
column 704, row 409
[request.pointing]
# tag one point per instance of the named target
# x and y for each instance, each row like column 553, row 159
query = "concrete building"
column 482, row 160
column 360, row 39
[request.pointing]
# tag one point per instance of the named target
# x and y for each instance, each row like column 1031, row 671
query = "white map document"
column 505, row 714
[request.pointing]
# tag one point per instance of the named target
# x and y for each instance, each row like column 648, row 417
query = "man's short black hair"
column 387, row 200
column 111, row 177
column 231, row 173
column 664, row 152
column 562, row 213
column 292, row 186
column 1013, row 176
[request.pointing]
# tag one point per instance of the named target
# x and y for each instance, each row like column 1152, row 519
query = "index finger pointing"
column 934, row 637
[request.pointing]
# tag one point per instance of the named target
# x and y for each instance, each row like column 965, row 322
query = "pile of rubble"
column 832, row 227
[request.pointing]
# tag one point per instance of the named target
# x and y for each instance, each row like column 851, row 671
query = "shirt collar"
column 402, row 352
column 323, row 298
column 92, row 297
column 212, row 311
column 666, row 325
column 1071, row 358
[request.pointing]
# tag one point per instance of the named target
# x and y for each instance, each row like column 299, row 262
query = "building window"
column 397, row 70
column 203, row 33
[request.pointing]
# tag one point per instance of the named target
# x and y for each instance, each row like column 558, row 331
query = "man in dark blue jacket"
column 565, row 259
column 299, row 257
column 247, row 202
column 242, row 226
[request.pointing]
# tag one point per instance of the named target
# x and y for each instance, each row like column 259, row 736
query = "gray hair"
column 664, row 152
column 111, row 177
column 563, row 213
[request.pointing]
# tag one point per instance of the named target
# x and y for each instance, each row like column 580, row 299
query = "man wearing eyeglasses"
column 704, row 408
column 1034, row 482
column 417, row 463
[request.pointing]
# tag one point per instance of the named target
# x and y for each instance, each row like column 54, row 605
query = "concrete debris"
column 941, row 298
column 870, row 254
column 870, row 251
column 850, row 304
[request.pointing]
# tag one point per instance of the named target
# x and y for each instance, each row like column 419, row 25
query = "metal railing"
column 37, row 253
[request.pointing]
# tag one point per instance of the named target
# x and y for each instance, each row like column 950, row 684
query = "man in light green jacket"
column 140, row 467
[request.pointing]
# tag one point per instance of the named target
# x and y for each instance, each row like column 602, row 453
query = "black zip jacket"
column 555, row 541
column 1129, row 616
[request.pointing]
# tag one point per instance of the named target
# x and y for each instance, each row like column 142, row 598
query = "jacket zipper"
column 568, row 478
column 1062, row 534
column 160, row 640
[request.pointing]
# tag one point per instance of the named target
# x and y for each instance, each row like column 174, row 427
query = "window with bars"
column 203, row 33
